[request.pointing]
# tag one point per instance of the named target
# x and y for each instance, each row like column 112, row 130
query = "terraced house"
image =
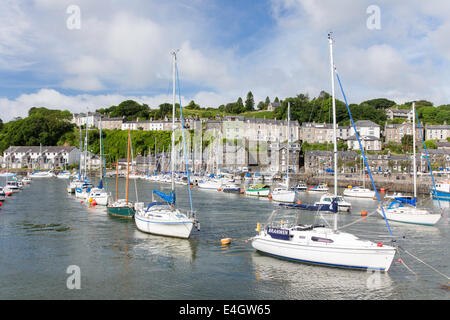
column 42, row 157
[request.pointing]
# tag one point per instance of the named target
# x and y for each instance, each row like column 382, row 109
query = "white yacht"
column 359, row 192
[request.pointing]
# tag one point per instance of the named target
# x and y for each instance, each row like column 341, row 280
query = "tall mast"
column 81, row 151
column 101, row 157
column 117, row 174
column 128, row 160
column 85, row 153
column 289, row 142
column 330, row 40
column 172, row 164
column 414, row 149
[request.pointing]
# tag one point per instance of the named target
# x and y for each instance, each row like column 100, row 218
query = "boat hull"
column 284, row 196
column 404, row 216
column 162, row 227
column 257, row 192
column 126, row 212
column 341, row 257
column 359, row 193
column 440, row 195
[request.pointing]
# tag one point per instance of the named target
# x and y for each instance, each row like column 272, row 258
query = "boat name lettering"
column 277, row 233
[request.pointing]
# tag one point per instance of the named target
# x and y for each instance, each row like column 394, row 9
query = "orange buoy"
column 299, row 202
column 219, row 189
column 382, row 190
column 364, row 213
column 82, row 201
column 379, row 244
column 225, row 241
column 270, row 196
column 94, row 203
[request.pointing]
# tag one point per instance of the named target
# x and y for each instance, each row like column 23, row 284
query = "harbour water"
column 44, row 231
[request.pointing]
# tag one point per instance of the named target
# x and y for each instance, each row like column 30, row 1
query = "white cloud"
column 126, row 47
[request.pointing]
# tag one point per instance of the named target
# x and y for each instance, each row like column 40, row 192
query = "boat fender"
column 258, row 227
column 364, row 213
column 379, row 244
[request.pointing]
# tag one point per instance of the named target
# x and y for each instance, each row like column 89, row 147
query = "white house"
column 44, row 157
column 438, row 132
column 91, row 119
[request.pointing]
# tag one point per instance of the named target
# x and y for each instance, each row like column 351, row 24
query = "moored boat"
column 260, row 190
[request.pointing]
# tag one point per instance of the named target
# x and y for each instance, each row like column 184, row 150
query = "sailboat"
column 318, row 244
column 162, row 218
column 99, row 195
column 285, row 194
column 405, row 210
column 123, row 207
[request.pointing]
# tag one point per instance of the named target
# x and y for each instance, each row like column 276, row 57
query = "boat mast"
column 101, row 156
column 330, row 40
column 289, row 144
column 172, row 164
column 85, row 150
column 128, row 161
column 414, row 149
column 117, row 174
column 81, row 151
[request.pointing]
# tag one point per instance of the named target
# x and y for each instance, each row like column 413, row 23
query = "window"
column 318, row 239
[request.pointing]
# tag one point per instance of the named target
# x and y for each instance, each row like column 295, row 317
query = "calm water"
column 43, row 231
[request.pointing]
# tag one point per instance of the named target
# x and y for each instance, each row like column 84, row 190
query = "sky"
column 81, row 55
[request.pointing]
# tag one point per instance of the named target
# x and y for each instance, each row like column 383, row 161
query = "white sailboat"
column 285, row 194
column 162, row 218
column 322, row 245
column 405, row 210
column 99, row 195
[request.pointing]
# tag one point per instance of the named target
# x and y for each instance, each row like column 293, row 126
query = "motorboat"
column 327, row 199
column 64, row 175
column 231, row 188
column 301, row 186
column 42, row 174
column 13, row 186
column 359, row 192
column 259, row 190
column 319, row 188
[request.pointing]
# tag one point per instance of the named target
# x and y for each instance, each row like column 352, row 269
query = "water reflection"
column 303, row 281
column 164, row 248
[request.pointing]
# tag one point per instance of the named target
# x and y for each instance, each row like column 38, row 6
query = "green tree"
column 249, row 102
column 431, row 144
column 193, row 106
column 267, row 102
column 407, row 142
column 261, row 106
column 380, row 103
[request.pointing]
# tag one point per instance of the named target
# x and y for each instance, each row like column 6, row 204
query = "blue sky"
column 275, row 48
